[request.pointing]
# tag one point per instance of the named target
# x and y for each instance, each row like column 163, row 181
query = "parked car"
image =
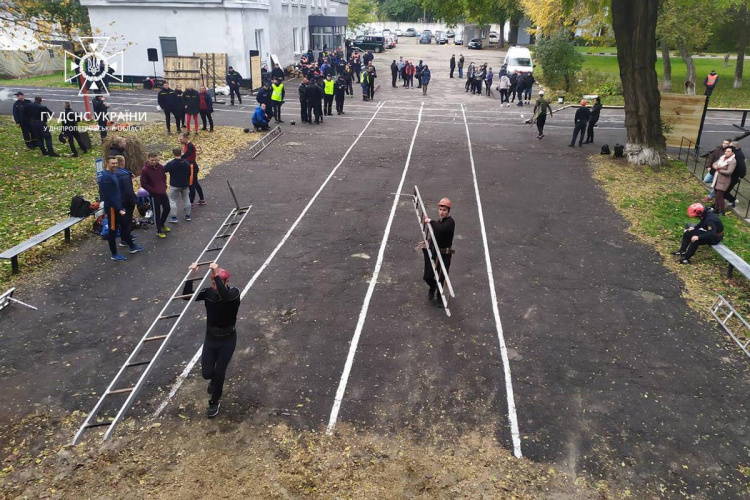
column 450, row 34
column 410, row 32
column 390, row 42
column 398, row 33
column 494, row 38
column 440, row 38
column 425, row 37
column 375, row 43
column 459, row 38
column 519, row 59
column 386, row 32
column 475, row 43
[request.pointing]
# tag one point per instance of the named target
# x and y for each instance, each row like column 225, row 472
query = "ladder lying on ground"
column 7, row 298
column 265, row 141
column 732, row 321
column 171, row 314
column 438, row 266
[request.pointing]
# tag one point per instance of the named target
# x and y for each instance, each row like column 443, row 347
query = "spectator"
column 189, row 154
column 740, row 171
column 724, row 168
column 180, row 99
column 233, row 80
column 128, row 201
column 460, row 65
column 504, row 88
column 711, row 158
column 426, row 76
column 167, row 100
column 528, row 85
column 488, row 81
column 394, row 73
column 179, row 185
column 452, row 64
column 117, row 148
column 109, row 193
column 154, row 180
column 22, row 120
column 192, row 107
column 206, row 108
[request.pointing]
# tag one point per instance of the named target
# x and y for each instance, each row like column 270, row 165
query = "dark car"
column 440, row 38
column 475, row 43
column 450, row 34
column 370, row 42
column 425, row 37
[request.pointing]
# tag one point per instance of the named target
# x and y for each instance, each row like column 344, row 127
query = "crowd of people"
column 407, row 72
column 185, row 106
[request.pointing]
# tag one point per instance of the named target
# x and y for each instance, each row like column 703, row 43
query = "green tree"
column 559, row 59
column 401, row 10
column 361, row 12
column 70, row 15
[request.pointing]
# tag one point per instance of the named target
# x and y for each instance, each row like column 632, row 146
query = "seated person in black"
column 709, row 231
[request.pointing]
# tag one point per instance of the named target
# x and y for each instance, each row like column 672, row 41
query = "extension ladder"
column 155, row 338
column 266, row 141
column 732, row 322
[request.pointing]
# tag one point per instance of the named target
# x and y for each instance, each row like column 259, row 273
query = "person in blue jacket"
column 426, row 75
column 128, row 201
column 109, row 193
column 259, row 118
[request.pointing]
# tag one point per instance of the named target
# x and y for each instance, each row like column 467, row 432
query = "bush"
column 559, row 59
column 599, row 83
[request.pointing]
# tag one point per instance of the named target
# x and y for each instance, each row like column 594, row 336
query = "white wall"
column 380, row 26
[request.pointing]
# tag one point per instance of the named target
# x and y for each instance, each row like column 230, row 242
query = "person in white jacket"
column 503, row 88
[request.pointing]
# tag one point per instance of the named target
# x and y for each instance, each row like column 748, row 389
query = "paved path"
column 612, row 375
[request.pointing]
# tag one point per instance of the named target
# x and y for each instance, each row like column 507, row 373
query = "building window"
column 304, row 38
column 295, row 36
column 259, row 44
column 168, row 46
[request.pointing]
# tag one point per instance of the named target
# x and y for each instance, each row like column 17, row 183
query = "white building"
column 181, row 27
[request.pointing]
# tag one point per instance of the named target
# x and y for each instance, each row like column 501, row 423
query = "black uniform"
column 443, row 229
column 100, row 112
column 340, row 94
column 595, row 110
column 302, row 90
column 222, row 305
column 453, row 65
column 180, row 110
column 70, row 131
column 21, row 119
column 233, row 80
column 314, row 95
column 371, row 86
column 710, row 231
column 394, row 73
column 583, row 114
column 38, row 114
column 167, row 100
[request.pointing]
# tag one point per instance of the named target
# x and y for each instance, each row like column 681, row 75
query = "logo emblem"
column 95, row 66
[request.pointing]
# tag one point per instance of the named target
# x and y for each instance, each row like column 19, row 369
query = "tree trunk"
column 741, row 46
column 666, row 83
column 690, row 78
column 634, row 24
column 513, row 33
column 502, row 34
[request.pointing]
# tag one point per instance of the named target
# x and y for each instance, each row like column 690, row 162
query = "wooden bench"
column 734, row 260
column 64, row 226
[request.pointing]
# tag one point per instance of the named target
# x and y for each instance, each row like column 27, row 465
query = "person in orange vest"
column 710, row 82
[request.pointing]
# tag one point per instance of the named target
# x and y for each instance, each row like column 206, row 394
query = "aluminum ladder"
column 732, row 321
column 155, row 339
column 265, row 141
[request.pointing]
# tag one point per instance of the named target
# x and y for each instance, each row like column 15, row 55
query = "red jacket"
column 409, row 70
column 154, row 179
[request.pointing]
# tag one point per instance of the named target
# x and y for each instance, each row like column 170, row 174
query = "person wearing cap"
column 443, row 229
column 233, row 80
column 38, row 115
column 581, row 119
column 595, row 110
column 540, row 113
column 709, row 231
column 222, row 303
column 23, row 121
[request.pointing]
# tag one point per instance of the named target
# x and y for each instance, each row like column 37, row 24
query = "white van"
column 519, row 59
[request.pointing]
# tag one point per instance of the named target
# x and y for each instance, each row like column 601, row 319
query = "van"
column 519, row 59
column 459, row 38
column 376, row 43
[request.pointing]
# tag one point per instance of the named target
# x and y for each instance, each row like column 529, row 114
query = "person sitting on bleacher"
column 709, row 231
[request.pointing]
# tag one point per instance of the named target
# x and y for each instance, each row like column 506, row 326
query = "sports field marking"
column 181, row 378
column 515, row 434
column 370, row 289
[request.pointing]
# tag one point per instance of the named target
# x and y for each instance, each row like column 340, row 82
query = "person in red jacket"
column 409, row 71
column 154, row 180
column 189, row 154
column 206, row 107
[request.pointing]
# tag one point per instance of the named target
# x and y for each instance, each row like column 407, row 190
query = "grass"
column 655, row 203
column 56, row 79
column 613, row 50
column 724, row 96
column 35, row 191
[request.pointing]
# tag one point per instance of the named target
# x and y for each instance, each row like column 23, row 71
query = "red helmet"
column 223, row 274
column 445, row 202
column 696, row 210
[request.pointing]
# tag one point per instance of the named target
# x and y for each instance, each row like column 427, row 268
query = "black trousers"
column 488, row 86
column 314, row 108
column 394, row 77
column 328, row 103
column 580, row 127
column 303, row 110
column 42, row 136
column 28, row 137
column 207, row 115
column 114, row 220
column 429, row 276
column 590, row 132
column 126, row 224
column 357, row 72
column 349, row 88
column 167, row 114
column 453, row 68
column 217, row 353
column 74, row 134
column 371, row 89
column 340, row 103
column 690, row 247
column 512, row 93
column 728, row 194
column 234, row 91
column 503, row 95
column 192, row 189
column 540, row 121
column 469, row 83
column 160, row 206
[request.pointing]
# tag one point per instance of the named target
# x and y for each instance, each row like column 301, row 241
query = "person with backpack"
column 595, row 110
column 109, row 193
column 154, row 180
column 189, row 154
column 222, row 304
column 179, row 185
column 128, row 200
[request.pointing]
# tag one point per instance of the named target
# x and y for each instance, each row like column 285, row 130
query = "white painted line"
column 373, row 281
column 515, row 434
column 181, row 378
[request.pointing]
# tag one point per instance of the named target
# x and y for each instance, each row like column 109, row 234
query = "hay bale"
column 135, row 152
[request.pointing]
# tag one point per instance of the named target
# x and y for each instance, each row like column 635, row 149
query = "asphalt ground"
column 612, row 375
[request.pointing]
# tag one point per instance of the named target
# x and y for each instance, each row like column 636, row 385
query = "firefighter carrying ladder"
column 438, row 267
column 155, row 338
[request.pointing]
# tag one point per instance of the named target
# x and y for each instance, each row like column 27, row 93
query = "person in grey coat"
column 426, row 75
